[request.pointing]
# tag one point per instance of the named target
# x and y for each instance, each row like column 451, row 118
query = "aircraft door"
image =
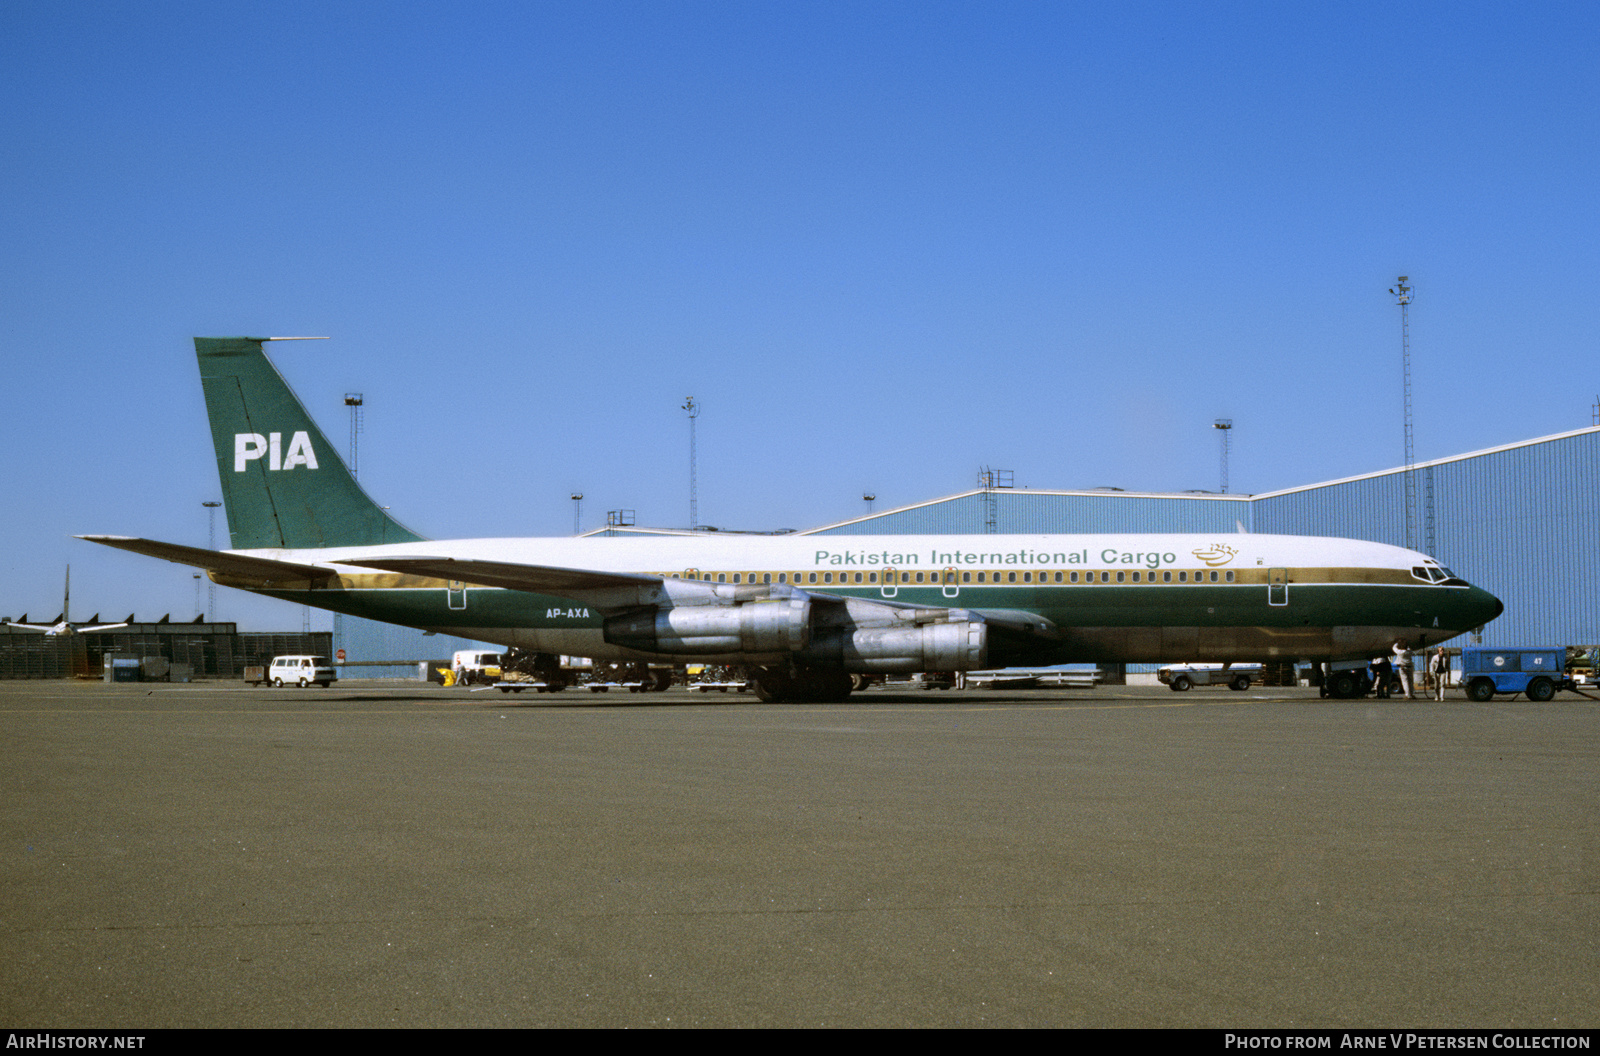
column 951, row 587
column 458, row 595
column 890, row 588
column 1277, row 586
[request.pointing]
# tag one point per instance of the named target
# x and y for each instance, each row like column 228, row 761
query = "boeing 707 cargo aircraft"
column 802, row 612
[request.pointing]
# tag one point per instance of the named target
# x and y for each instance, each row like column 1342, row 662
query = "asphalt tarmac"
column 389, row 854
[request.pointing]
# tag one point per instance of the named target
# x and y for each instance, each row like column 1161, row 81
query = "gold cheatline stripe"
column 1039, row 577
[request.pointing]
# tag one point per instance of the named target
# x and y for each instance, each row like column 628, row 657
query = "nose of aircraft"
column 1483, row 607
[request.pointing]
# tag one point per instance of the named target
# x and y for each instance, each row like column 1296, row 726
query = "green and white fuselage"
column 1112, row 598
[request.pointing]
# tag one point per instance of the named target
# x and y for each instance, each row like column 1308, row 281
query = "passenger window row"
column 951, row 576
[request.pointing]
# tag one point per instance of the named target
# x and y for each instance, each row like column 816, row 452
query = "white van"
column 301, row 671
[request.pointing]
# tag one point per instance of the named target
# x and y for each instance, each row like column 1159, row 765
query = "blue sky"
column 883, row 244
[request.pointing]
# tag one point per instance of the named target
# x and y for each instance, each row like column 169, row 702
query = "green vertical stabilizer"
column 283, row 484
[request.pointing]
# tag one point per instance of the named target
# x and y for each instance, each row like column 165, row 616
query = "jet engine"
column 852, row 634
column 779, row 625
column 961, row 645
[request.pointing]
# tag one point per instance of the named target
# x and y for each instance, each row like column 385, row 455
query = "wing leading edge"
column 259, row 568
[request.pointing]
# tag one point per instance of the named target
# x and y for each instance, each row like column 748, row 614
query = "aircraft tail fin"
column 283, row 484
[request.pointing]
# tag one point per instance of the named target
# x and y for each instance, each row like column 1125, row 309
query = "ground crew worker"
column 1439, row 668
column 1382, row 671
column 1402, row 661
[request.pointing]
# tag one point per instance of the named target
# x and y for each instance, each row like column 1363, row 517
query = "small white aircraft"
column 64, row 624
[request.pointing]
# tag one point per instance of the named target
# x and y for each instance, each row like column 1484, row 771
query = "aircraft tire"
column 772, row 687
column 1344, row 686
column 806, row 687
column 831, row 687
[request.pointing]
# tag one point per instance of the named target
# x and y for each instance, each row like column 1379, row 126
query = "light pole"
column 694, row 498
column 211, row 542
column 1402, row 294
column 577, row 505
column 1226, row 425
column 354, row 401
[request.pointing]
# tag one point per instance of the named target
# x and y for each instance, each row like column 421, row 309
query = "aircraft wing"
column 606, row 591
column 612, row 592
column 536, row 579
column 261, row 568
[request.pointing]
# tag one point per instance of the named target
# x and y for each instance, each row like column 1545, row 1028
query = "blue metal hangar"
column 1522, row 521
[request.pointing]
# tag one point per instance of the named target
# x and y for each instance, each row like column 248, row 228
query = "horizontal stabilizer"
column 215, row 560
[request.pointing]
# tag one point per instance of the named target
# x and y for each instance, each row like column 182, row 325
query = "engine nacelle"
column 960, row 645
column 766, row 627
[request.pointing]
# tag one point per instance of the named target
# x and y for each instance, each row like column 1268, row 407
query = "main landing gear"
column 802, row 685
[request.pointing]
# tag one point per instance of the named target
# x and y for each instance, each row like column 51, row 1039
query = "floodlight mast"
column 355, row 401
column 1226, row 425
column 694, row 498
column 211, row 506
column 1402, row 294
